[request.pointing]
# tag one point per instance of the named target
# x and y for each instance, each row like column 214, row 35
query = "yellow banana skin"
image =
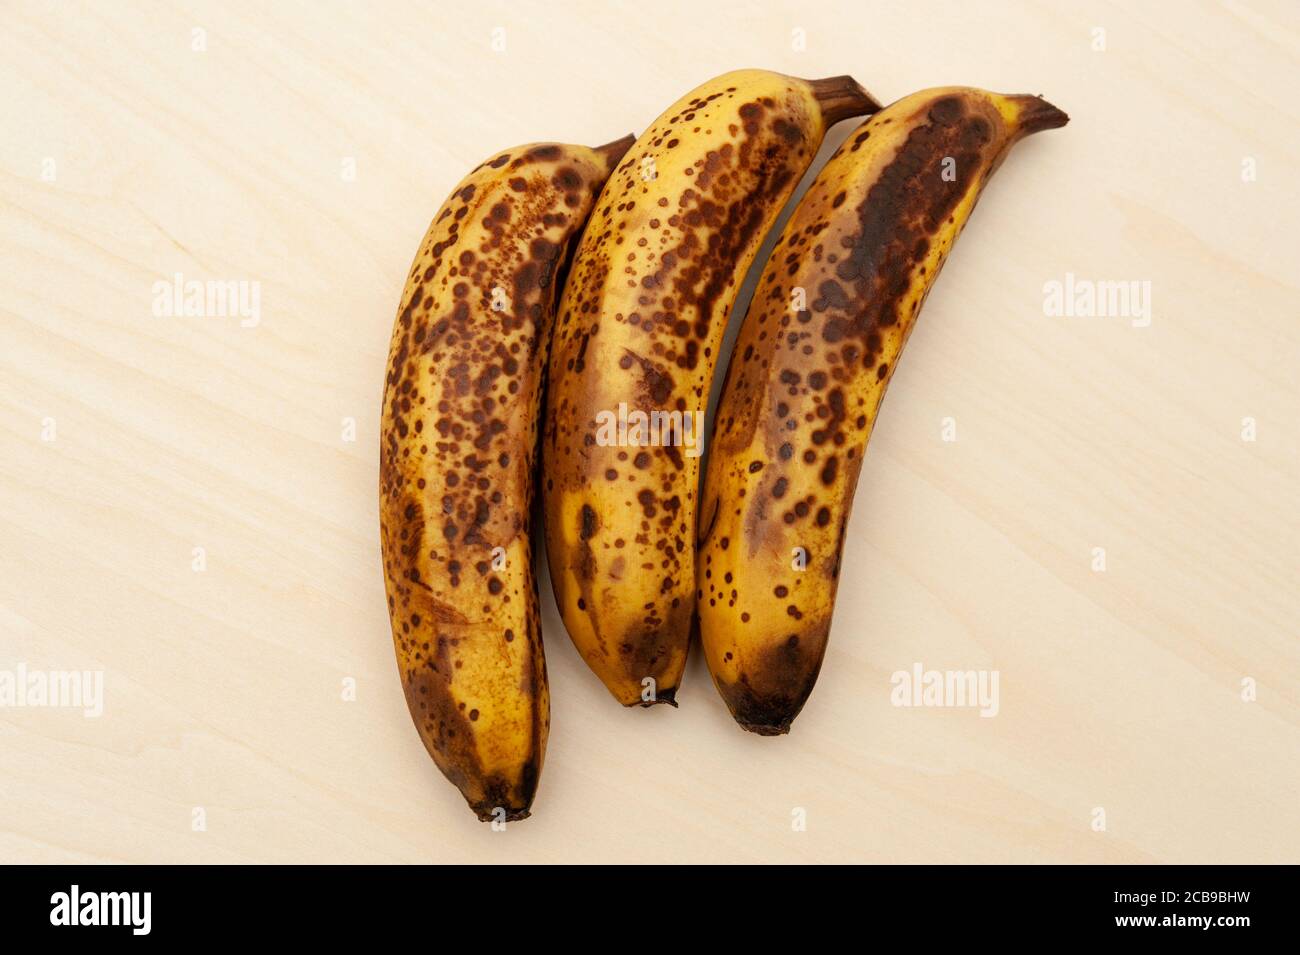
column 457, row 454
column 808, row 374
column 639, row 325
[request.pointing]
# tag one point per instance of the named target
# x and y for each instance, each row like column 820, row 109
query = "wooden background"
column 129, row 155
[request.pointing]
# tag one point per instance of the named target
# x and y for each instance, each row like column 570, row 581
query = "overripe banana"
column 457, row 452
column 636, row 339
column 828, row 321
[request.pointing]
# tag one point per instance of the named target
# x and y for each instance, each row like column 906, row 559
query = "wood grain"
column 224, row 688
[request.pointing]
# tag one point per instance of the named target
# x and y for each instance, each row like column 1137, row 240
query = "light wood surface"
column 1120, row 690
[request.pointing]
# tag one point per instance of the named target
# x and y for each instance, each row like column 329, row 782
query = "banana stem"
column 613, row 152
column 841, row 97
column 1036, row 115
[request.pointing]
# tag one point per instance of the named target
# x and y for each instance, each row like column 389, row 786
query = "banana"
column 457, row 451
column 828, row 321
column 637, row 333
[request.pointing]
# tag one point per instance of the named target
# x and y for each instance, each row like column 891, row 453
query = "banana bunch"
column 828, row 322
column 458, row 441
column 636, row 340
column 665, row 229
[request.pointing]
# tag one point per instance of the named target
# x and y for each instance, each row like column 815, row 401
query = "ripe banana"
column 457, row 452
column 827, row 324
column 637, row 334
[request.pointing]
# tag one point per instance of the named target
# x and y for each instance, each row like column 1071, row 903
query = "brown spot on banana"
column 637, row 332
column 458, row 442
column 830, row 316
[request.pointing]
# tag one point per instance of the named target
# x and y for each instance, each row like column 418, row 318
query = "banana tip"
column 613, row 152
column 494, row 813
column 1037, row 114
column 841, row 97
column 668, row 696
column 766, row 729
